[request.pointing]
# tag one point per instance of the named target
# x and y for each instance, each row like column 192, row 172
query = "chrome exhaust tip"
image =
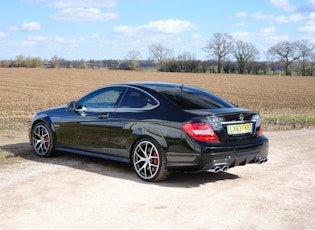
column 262, row 160
column 218, row 168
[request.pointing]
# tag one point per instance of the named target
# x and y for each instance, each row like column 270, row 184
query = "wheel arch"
column 46, row 120
column 162, row 172
column 155, row 136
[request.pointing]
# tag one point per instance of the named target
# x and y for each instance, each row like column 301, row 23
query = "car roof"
column 157, row 86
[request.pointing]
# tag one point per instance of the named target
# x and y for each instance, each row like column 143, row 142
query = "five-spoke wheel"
column 148, row 160
column 42, row 140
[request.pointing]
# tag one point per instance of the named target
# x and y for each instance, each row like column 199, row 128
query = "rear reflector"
column 201, row 132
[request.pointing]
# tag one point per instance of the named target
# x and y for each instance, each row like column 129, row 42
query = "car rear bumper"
column 217, row 159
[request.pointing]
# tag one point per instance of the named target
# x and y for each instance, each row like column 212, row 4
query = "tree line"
column 226, row 55
column 232, row 56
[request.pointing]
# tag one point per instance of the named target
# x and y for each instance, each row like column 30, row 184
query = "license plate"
column 239, row 129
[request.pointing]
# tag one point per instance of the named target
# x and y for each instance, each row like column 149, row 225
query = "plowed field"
column 25, row 91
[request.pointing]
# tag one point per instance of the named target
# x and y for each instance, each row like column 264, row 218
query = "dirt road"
column 77, row 192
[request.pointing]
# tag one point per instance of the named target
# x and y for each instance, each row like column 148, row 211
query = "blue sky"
column 109, row 29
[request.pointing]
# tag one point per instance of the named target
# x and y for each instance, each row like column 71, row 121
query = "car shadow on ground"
column 113, row 168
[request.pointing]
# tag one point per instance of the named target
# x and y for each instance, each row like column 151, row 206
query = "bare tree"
column 132, row 58
column 244, row 53
column 306, row 50
column 160, row 54
column 219, row 47
column 286, row 53
column 55, row 61
column 186, row 56
column 312, row 65
column 19, row 60
column 186, row 62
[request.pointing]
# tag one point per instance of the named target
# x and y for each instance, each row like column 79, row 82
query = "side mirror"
column 71, row 105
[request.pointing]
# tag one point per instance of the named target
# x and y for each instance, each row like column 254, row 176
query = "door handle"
column 103, row 116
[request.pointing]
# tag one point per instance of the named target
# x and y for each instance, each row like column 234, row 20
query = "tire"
column 149, row 161
column 42, row 140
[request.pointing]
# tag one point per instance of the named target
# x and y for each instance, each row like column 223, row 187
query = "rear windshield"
column 195, row 98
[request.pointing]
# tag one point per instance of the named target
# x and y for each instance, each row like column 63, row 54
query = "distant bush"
column 4, row 63
column 21, row 61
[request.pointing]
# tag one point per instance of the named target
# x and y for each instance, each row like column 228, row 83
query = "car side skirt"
column 109, row 157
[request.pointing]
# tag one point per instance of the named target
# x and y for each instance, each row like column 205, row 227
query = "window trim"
column 79, row 101
column 119, row 109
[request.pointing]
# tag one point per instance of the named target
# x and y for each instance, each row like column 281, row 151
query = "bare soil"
column 78, row 192
column 23, row 91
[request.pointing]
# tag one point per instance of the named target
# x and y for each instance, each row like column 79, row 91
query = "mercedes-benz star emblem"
column 241, row 117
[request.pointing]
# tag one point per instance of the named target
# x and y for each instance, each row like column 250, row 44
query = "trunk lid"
column 232, row 124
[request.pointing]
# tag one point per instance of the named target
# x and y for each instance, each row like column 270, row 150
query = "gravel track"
column 78, row 192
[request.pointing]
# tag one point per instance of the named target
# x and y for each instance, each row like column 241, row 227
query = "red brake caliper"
column 46, row 141
column 156, row 160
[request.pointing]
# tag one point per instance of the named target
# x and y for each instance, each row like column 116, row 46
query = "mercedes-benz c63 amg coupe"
column 156, row 127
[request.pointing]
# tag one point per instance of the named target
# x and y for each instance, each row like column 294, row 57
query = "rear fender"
column 154, row 133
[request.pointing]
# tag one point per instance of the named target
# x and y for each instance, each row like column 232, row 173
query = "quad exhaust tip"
column 223, row 167
column 218, row 168
column 262, row 160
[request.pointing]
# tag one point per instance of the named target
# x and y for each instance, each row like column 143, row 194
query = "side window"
column 103, row 98
column 137, row 99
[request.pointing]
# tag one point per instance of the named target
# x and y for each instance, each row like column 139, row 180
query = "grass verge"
column 284, row 122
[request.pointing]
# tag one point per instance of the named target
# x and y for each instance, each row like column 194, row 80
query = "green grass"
column 3, row 127
column 288, row 120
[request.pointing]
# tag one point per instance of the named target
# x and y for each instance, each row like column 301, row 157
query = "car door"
column 134, row 112
column 87, row 126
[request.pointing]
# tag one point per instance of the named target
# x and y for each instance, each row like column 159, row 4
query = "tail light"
column 201, row 132
column 260, row 129
column 257, row 119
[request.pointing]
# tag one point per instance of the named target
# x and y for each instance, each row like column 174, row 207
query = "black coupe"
column 157, row 127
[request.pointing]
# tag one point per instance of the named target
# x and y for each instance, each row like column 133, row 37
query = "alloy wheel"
column 41, row 140
column 146, row 160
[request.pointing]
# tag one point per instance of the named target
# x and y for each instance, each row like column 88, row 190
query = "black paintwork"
column 110, row 130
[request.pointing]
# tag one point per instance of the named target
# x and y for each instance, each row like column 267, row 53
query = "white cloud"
column 55, row 40
column 291, row 18
column 241, row 15
column 312, row 16
column 278, row 38
column 196, row 36
column 169, row 26
column 30, row 26
column 162, row 26
column 307, row 29
column 39, row 38
column 22, row 44
column 241, row 35
column 82, row 14
column 261, row 16
column 76, row 3
column 58, row 39
column 240, row 24
column 27, row 27
column 283, row 4
column 127, row 30
column 3, row 35
column 268, row 30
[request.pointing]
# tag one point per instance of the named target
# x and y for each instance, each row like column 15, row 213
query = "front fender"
column 45, row 119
